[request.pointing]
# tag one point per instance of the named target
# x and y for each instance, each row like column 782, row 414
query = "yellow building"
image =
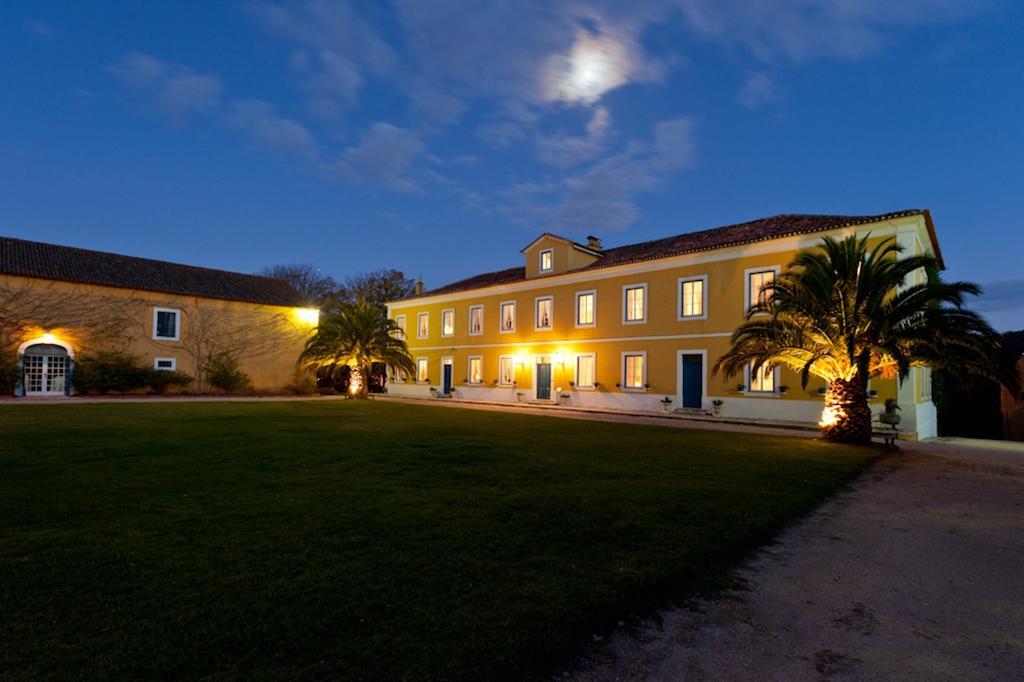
column 59, row 304
column 636, row 327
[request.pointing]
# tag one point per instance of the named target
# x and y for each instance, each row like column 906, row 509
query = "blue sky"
column 440, row 137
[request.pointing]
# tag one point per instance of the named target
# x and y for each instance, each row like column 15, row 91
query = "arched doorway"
column 46, row 368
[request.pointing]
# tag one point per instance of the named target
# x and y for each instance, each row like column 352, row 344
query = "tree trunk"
column 847, row 416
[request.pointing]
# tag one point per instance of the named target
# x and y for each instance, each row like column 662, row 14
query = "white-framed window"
column 507, row 311
column 400, row 321
column 476, row 370
column 545, row 309
column 166, row 324
column 422, row 370
column 586, row 370
column 764, row 380
column 165, row 364
column 400, row 376
column 422, row 325
column 634, row 303
column 634, row 370
column 506, row 370
column 586, row 308
column 476, row 320
column 448, row 322
column 757, row 278
column 547, row 260
column 693, row 298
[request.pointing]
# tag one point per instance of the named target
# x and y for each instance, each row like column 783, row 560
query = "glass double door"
column 45, row 374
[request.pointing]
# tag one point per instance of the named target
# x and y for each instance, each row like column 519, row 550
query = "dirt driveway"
column 917, row 573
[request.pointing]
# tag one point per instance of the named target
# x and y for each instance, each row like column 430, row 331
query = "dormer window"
column 547, row 260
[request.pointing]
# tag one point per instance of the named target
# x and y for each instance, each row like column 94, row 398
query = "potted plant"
column 716, row 405
column 647, row 387
column 740, row 388
column 821, row 391
column 872, row 393
column 783, row 390
column 597, row 385
column 618, row 385
column 666, row 403
column 519, row 396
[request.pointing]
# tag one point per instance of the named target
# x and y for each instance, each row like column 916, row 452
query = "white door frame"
column 703, row 374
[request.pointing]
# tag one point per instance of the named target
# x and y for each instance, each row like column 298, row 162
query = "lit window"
column 508, row 316
column 635, row 302
column 691, row 298
column 547, row 260
column 400, row 375
column 448, row 322
column 421, row 370
column 165, row 364
column 476, row 320
column 476, row 370
column 400, row 321
column 166, row 324
column 423, row 325
column 633, row 370
column 585, row 304
column 506, row 370
column 585, row 367
column 756, row 281
column 763, row 380
column 544, row 312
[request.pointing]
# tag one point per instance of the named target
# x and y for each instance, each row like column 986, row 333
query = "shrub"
column 8, row 374
column 163, row 381
column 111, row 371
column 115, row 371
column 302, row 384
column 222, row 372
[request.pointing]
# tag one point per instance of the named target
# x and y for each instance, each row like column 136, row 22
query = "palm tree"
column 357, row 335
column 845, row 313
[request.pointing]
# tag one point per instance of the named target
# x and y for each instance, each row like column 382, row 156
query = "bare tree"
column 211, row 328
column 307, row 279
column 88, row 317
column 376, row 288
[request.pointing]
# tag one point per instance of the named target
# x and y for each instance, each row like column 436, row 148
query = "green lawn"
column 364, row 540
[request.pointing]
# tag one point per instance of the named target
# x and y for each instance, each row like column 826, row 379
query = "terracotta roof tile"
column 763, row 229
column 64, row 263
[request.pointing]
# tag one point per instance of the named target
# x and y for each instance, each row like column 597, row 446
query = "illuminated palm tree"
column 357, row 336
column 846, row 313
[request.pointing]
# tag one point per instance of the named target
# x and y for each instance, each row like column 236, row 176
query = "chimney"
column 418, row 291
column 593, row 243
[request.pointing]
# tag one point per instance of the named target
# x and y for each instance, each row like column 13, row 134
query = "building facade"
column 637, row 327
column 60, row 304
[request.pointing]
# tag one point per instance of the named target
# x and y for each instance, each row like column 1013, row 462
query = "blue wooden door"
column 446, row 372
column 693, row 380
column 543, row 381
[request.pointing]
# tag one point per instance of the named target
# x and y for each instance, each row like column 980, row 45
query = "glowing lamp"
column 310, row 316
column 48, row 338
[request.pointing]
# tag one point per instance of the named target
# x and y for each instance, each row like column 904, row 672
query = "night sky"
column 441, row 137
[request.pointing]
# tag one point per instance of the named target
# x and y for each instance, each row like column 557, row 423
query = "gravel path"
column 917, row 572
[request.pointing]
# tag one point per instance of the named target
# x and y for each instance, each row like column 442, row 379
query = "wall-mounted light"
column 309, row 316
column 48, row 338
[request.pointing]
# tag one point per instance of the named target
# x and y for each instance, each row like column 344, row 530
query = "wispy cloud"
column 1001, row 295
column 177, row 90
column 41, row 29
column 383, row 157
column 603, row 196
column 564, row 151
column 258, row 119
column 757, row 90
